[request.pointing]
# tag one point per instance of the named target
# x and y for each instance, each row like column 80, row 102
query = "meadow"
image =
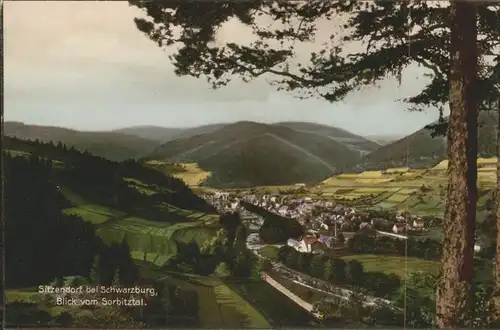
column 376, row 263
column 148, row 240
column 394, row 264
column 419, row 191
column 190, row 173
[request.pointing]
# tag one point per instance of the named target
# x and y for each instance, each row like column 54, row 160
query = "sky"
column 84, row 65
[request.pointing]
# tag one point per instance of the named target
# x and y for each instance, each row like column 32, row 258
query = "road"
column 299, row 301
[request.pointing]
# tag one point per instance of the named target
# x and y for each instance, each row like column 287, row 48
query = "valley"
column 250, row 164
column 173, row 223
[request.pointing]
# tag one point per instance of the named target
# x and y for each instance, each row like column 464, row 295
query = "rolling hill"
column 156, row 133
column 111, row 145
column 351, row 140
column 164, row 134
column 248, row 154
column 423, row 150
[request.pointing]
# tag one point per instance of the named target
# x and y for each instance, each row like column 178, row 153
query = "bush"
column 222, row 270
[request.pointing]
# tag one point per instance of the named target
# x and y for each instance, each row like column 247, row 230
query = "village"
column 326, row 224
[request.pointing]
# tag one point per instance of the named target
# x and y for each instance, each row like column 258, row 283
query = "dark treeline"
column 46, row 247
column 276, row 229
column 339, row 272
column 43, row 243
column 83, row 172
column 362, row 242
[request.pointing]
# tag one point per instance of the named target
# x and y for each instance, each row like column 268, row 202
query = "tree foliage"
column 379, row 39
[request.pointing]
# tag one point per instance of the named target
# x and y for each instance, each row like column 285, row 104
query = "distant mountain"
column 156, row 133
column 420, row 150
column 111, row 145
column 349, row 139
column 383, row 139
column 248, row 154
column 164, row 134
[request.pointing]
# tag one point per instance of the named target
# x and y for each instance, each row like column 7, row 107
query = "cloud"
column 65, row 62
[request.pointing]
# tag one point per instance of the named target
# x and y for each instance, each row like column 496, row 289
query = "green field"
column 236, row 303
column 148, row 240
column 154, row 241
column 420, row 191
column 394, row 264
column 190, row 173
column 95, row 214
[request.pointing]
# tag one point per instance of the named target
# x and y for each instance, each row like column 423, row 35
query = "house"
column 327, row 240
column 402, row 216
column 418, row 223
column 364, row 225
column 309, row 240
column 292, row 242
column 399, row 227
column 283, row 210
column 301, row 246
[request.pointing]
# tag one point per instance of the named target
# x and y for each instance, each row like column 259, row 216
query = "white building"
column 299, row 246
column 399, row 228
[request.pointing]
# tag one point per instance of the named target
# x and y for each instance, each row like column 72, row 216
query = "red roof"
column 310, row 240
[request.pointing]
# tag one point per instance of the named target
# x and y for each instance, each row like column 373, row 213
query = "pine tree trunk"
column 496, row 298
column 454, row 288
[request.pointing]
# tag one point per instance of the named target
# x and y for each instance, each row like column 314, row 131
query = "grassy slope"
column 111, row 145
column 190, row 173
column 246, row 154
